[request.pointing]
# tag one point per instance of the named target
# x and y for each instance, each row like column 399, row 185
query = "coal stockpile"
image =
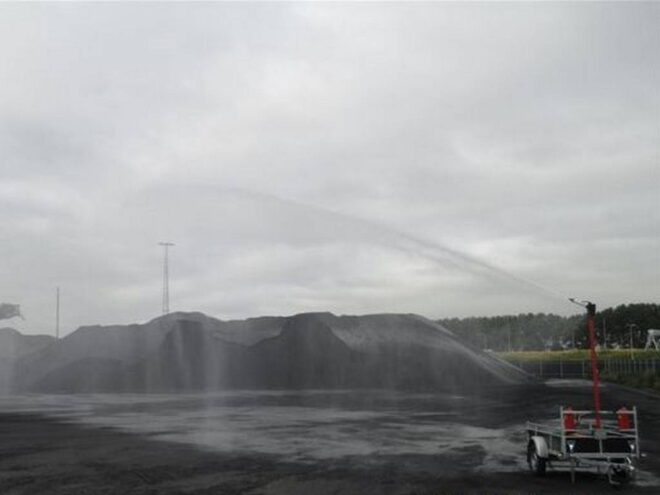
column 192, row 352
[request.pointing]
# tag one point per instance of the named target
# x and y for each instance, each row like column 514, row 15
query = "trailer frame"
column 584, row 440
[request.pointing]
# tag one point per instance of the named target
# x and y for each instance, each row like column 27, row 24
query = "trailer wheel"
column 535, row 461
column 618, row 476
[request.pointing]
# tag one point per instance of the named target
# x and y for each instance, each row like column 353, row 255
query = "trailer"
column 573, row 442
column 607, row 441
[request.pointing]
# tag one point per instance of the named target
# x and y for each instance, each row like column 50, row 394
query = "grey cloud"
column 523, row 135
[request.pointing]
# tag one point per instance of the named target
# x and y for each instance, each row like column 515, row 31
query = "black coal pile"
column 194, row 352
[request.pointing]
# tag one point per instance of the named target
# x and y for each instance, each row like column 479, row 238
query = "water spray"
column 403, row 241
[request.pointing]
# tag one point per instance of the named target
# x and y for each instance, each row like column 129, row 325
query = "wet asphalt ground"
column 315, row 442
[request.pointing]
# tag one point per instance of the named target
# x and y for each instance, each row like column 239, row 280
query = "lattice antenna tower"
column 57, row 313
column 166, row 276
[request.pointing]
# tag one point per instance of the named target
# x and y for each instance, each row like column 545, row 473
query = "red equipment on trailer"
column 582, row 440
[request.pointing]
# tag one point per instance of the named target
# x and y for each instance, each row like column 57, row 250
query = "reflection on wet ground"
column 303, row 427
column 473, row 435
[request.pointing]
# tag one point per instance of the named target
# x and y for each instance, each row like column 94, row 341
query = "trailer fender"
column 541, row 446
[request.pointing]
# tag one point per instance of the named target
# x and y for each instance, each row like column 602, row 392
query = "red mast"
column 591, row 325
column 591, row 328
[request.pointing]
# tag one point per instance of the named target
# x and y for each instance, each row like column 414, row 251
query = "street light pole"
column 630, row 329
column 166, row 276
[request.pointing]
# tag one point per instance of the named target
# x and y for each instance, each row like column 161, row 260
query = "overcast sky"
column 441, row 159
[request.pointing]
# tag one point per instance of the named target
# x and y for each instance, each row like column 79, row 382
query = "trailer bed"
column 574, row 441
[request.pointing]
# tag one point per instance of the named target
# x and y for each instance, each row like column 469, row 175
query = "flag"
column 9, row 311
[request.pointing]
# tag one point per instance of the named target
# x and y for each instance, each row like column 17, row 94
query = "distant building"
column 653, row 339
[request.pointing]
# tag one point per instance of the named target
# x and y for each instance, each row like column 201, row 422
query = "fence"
column 582, row 368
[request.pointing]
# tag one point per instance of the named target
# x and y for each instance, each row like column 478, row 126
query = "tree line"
column 615, row 328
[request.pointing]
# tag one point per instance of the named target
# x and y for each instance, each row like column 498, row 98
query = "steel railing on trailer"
column 575, row 442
